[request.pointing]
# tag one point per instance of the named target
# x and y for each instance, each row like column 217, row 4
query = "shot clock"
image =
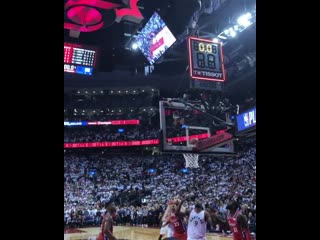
column 206, row 60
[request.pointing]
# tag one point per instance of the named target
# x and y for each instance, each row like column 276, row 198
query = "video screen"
column 155, row 38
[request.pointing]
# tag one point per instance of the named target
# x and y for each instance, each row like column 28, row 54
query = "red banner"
column 112, row 144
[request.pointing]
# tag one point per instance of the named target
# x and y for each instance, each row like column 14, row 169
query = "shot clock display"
column 206, row 60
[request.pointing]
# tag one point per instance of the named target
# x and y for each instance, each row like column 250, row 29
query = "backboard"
column 186, row 128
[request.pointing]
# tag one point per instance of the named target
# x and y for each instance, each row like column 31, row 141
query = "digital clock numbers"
column 206, row 60
column 205, row 47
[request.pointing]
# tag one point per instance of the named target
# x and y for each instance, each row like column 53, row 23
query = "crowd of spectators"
column 142, row 185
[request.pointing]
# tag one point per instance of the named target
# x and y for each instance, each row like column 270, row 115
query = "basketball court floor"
column 127, row 233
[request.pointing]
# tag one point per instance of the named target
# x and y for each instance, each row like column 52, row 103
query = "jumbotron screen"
column 155, row 38
column 79, row 59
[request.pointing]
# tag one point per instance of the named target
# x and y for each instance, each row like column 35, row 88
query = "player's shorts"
column 164, row 230
column 182, row 236
column 168, row 229
column 190, row 238
column 106, row 238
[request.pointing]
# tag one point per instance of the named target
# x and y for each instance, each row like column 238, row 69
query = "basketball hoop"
column 191, row 160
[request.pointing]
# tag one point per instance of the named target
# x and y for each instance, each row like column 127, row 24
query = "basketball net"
column 191, row 160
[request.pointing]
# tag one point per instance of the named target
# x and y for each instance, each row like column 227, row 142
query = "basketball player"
column 179, row 230
column 197, row 223
column 166, row 226
column 107, row 223
column 238, row 222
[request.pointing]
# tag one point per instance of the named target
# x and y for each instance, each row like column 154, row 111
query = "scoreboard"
column 79, row 58
column 206, row 60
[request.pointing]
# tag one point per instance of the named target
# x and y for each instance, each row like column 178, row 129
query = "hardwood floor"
column 127, row 233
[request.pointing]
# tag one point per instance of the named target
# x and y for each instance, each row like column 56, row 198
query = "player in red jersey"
column 106, row 232
column 179, row 230
column 238, row 222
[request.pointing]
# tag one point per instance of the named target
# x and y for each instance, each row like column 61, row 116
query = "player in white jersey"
column 197, row 223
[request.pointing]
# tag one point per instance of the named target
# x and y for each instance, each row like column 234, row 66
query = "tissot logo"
column 92, row 15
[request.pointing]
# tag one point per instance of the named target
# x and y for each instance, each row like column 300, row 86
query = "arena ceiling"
column 117, row 58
